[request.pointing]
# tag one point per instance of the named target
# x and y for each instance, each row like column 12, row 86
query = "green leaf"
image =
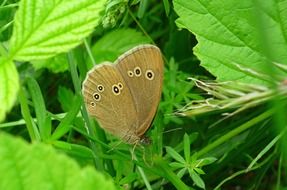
column 45, row 28
column 168, row 174
column 174, row 154
column 29, row 121
column 56, row 64
column 181, row 172
column 177, row 165
column 229, row 36
column 9, row 86
column 65, row 95
column 166, row 7
column 74, row 149
column 40, row 109
column 6, row 20
column 199, row 171
column 142, row 8
column 65, row 124
column 186, row 147
column 113, row 44
column 39, row 166
column 196, row 179
column 128, row 179
column 205, row 161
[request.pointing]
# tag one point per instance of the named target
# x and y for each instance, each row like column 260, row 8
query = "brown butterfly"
column 124, row 96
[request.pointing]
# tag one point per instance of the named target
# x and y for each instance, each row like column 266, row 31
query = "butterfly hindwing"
column 108, row 98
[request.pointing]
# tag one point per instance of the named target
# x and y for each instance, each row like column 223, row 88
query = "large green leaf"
column 113, row 44
column 45, row 28
column 56, row 64
column 9, row 86
column 39, row 166
column 227, row 34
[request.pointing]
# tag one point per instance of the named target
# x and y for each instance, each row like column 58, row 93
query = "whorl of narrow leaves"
column 45, row 28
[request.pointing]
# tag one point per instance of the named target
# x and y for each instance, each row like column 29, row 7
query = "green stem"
column 235, row 132
column 100, row 134
column 278, row 181
column 89, row 127
column 57, row 117
column 90, row 52
column 140, row 26
column 244, row 171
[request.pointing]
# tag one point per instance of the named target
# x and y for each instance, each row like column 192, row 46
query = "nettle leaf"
column 113, row 44
column 9, row 86
column 227, row 34
column 45, row 28
column 39, row 166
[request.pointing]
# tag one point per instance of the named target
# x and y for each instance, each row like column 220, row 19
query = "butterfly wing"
column 142, row 70
column 108, row 98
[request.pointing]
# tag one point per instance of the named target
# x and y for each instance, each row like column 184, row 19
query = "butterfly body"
column 123, row 96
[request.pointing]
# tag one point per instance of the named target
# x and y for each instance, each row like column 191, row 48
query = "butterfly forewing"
column 142, row 69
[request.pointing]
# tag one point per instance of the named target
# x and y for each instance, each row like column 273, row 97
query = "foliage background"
column 223, row 107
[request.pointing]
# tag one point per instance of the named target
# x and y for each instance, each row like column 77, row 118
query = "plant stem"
column 89, row 52
column 140, row 26
column 278, row 181
column 89, row 127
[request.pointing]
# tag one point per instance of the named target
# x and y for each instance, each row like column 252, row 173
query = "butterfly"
column 123, row 96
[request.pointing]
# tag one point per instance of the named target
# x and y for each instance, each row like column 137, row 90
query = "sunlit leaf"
column 227, row 35
column 9, row 86
column 45, row 28
column 56, row 64
column 113, row 44
column 39, row 166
